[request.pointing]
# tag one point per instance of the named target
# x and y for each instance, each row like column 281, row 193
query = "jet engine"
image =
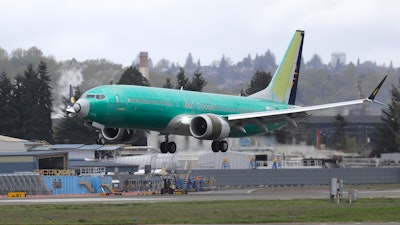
column 117, row 134
column 209, row 127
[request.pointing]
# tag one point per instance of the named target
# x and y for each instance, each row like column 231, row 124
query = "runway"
column 235, row 194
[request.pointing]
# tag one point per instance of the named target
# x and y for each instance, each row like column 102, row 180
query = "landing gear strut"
column 167, row 146
column 100, row 140
column 217, row 146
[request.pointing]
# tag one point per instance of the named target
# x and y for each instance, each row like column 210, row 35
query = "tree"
column 168, row 84
column 223, row 68
column 33, row 104
column 181, row 80
column 189, row 63
column 71, row 129
column 45, row 104
column 265, row 62
column 387, row 136
column 198, row 82
column 28, row 101
column 247, row 62
column 260, row 80
column 132, row 76
column 7, row 110
column 339, row 137
column 315, row 62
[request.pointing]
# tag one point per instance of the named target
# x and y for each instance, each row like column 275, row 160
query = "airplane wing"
column 298, row 109
column 292, row 110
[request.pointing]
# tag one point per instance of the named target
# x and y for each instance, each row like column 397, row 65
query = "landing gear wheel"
column 163, row 147
column 223, row 146
column 101, row 141
column 215, row 146
column 171, row 147
column 167, row 146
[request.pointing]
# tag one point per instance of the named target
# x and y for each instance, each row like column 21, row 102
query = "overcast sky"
column 119, row 30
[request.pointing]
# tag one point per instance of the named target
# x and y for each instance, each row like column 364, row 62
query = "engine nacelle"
column 209, row 127
column 117, row 134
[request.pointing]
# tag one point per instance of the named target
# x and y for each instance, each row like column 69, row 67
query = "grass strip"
column 205, row 212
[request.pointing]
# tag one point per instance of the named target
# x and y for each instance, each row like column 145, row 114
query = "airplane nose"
column 82, row 107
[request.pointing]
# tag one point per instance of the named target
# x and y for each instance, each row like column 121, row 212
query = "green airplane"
column 117, row 109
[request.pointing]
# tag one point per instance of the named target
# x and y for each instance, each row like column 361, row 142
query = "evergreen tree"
column 260, row 80
column 132, row 76
column 387, row 136
column 223, row 68
column 198, row 82
column 315, row 62
column 71, row 129
column 247, row 62
column 7, row 110
column 265, row 62
column 45, row 104
column 189, row 63
column 168, row 84
column 29, row 102
column 181, row 80
column 33, row 102
column 339, row 137
column 19, row 106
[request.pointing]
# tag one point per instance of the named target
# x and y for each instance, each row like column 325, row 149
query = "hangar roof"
column 11, row 139
column 76, row 147
column 31, row 153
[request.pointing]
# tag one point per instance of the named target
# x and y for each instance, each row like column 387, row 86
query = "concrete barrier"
column 268, row 177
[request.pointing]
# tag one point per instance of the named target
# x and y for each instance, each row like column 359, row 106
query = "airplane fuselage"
column 156, row 109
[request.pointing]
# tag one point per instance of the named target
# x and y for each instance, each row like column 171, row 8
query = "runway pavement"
column 235, row 194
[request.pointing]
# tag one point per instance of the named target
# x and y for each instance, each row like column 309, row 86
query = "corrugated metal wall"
column 301, row 176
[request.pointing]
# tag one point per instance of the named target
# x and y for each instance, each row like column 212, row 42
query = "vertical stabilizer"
column 283, row 86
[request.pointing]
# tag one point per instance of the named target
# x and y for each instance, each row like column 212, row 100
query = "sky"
column 208, row 29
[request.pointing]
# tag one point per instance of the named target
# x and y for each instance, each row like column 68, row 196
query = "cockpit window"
column 100, row 96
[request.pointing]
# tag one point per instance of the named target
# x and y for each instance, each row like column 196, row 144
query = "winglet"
column 71, row 99
column 376, row 90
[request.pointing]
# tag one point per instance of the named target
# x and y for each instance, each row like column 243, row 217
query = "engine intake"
column 117, row 134
column 209, row 127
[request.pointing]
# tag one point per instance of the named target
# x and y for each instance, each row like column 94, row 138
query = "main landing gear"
column 100, row 140
column 217, row 146
column 167, row 146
